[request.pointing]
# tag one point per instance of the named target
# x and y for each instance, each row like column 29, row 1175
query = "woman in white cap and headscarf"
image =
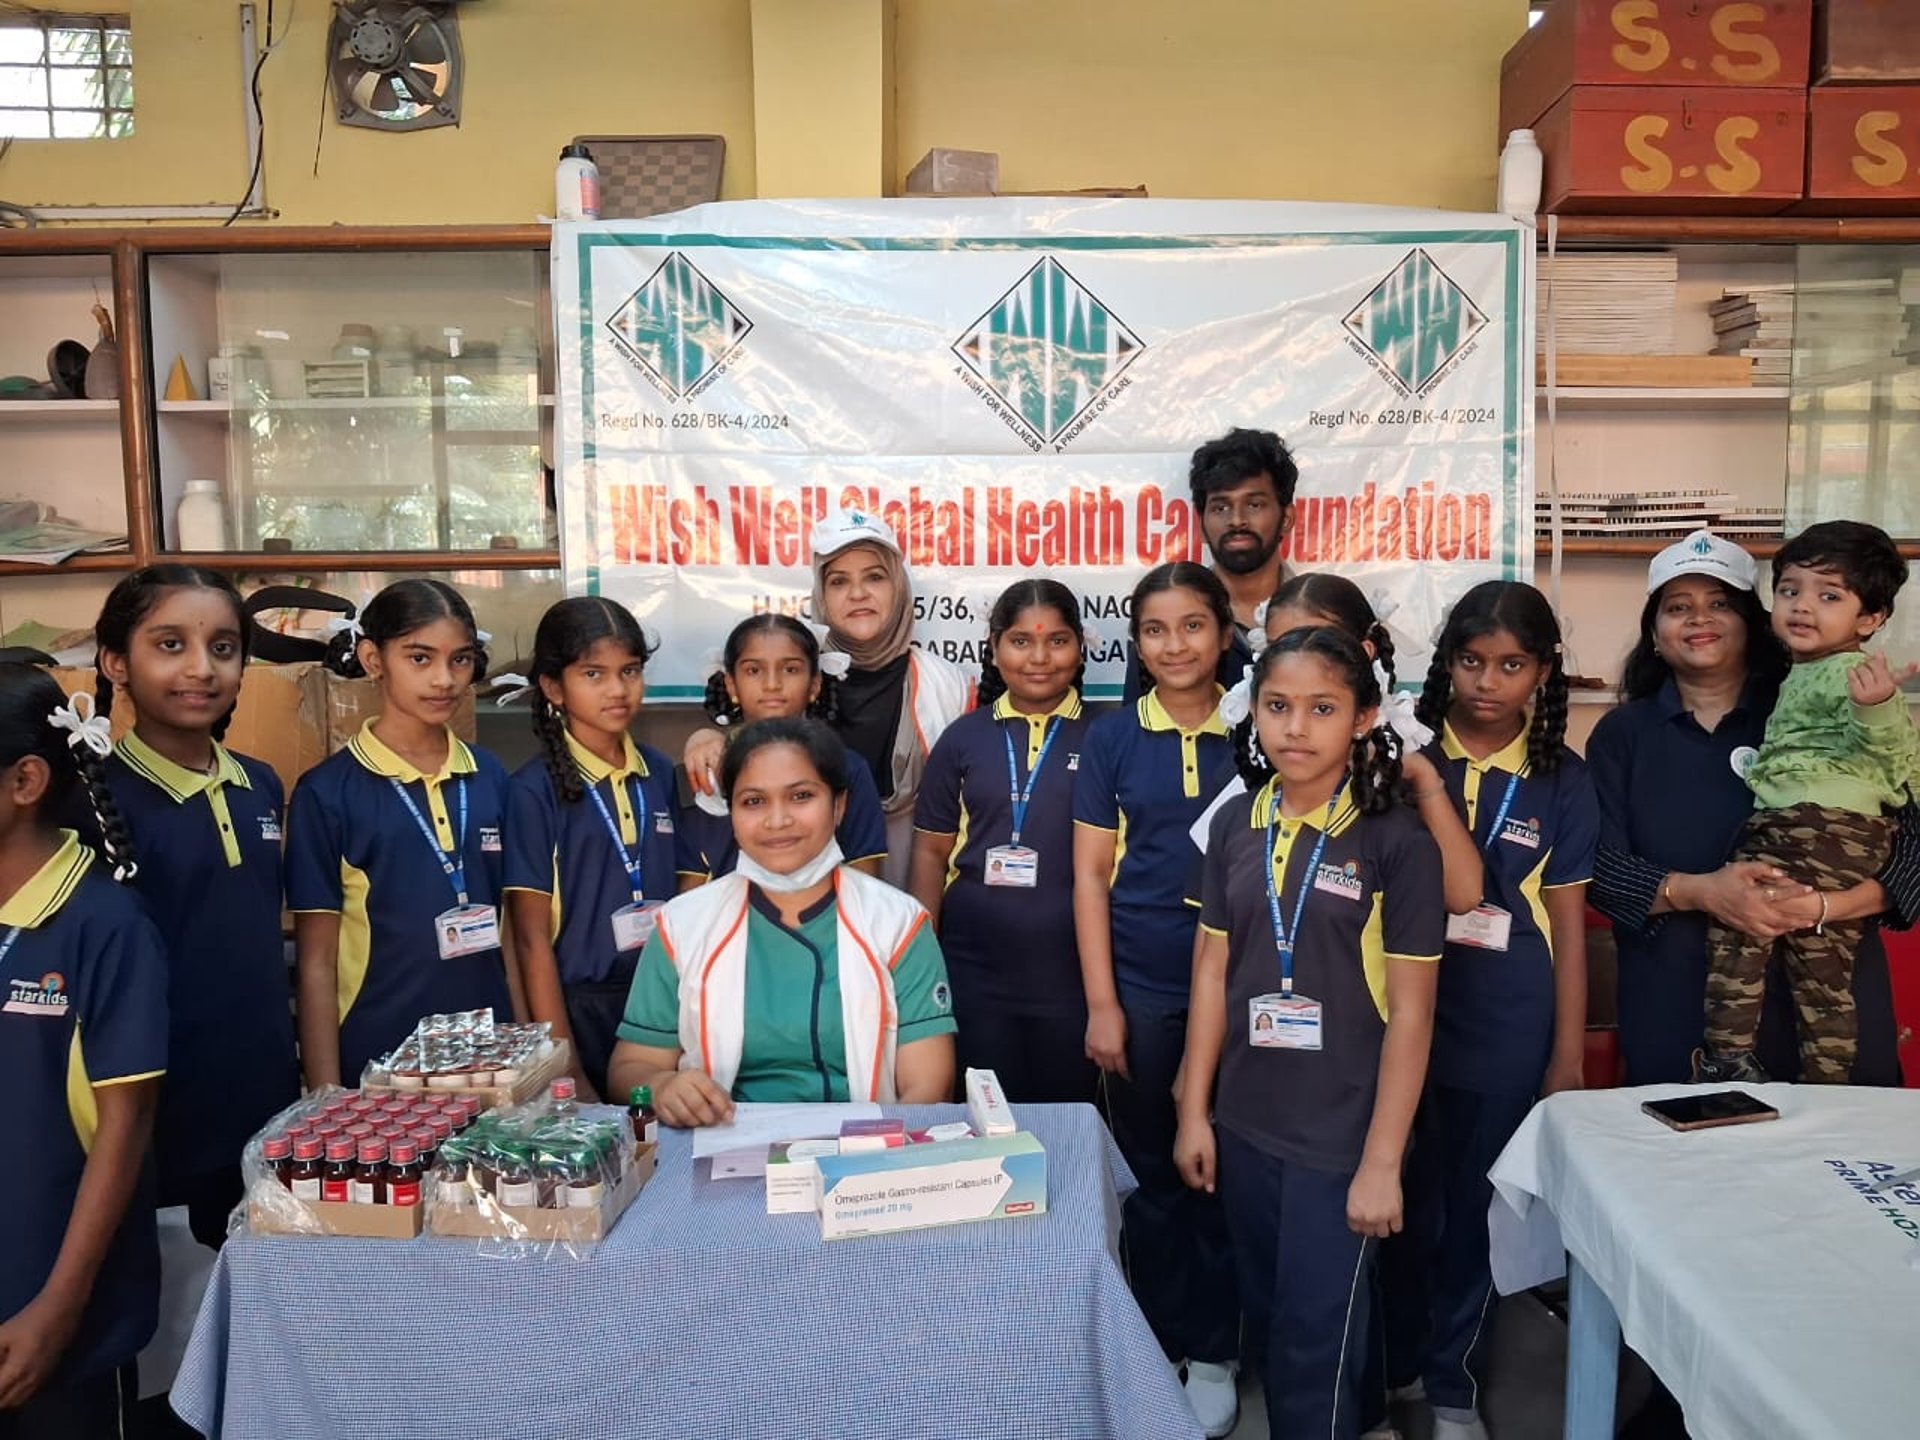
column 895, row 700
column 1669, row 766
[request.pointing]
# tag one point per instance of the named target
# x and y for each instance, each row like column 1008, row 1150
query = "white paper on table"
column 739, row 1149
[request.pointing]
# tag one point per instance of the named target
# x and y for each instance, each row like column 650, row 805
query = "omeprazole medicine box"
column 949, row 1184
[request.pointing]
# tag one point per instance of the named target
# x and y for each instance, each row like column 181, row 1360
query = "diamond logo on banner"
column 1047, row 349
column 679, row 328
column 1416, row 323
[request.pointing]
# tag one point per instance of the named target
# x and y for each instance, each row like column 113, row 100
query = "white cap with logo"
column 834, row 533
column 1703, row 553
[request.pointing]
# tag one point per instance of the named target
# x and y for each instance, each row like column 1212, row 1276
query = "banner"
column 1016, row 387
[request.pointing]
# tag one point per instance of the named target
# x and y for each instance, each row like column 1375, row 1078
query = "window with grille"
column 66, row 77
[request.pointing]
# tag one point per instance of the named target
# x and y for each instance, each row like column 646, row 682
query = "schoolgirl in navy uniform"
column 993, row 852
column 1510, row 1021
column 590, row 829
column 1146, row 773
column 394, row 848
column 83, row 1044
column 772, row 669
column 208, row 822
column 1321, row 921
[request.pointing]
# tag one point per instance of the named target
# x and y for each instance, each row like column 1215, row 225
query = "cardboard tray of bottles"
column 533, row 1082
column 370, row 1222
column 581, row 1226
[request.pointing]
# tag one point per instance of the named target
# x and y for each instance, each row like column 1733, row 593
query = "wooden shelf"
column 405, row 560
column 220, row 412
column 78, row 565
column 1666, row 230
column 1723, row 397
column 42, row 410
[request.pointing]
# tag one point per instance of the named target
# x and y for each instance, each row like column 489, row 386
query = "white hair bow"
column 832, row 662
column 349, row 625
column 514, row 687
column 1397, row 710
column 82, row 725
column 1237, row 703
column 481, row 637
column 1257, row 636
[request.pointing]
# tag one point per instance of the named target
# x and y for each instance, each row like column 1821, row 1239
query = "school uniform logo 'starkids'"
column 270, row 827
column 1073, row 760
column 663, row 825
column 46, row 996
column 1341, row 880
column 490, row 839
column 1522, row 832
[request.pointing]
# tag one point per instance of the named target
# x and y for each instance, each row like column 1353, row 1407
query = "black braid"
column 1546, row 738
column 1437, row 694
column 102, row 689
column 992, row 683
column 1248, row 758
column 115, row 839
column 826, row 705
column 1376, row 770
column 551, row 731
column 1382, row 641
column 343, row 656
column 1018, row 597
column 720, row 706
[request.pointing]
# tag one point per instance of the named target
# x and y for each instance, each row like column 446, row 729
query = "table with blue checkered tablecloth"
column 701, row 1316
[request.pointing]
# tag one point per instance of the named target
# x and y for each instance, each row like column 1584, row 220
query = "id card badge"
column 1014, row 865
column 1485, row 927
column 633, row 924
column 1283, row 1022
column 467, row 930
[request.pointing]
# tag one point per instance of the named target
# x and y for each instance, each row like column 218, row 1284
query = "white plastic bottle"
column 1521, row 168
column 576, row 185
column 200, row 520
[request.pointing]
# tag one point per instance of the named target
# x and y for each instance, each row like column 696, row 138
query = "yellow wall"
column 538, row 73
column 1389, row 101
column 1383, row 101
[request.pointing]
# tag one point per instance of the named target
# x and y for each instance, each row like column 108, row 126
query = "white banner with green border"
column 1016, row 386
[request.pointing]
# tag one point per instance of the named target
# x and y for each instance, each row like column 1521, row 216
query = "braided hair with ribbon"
column 1374, row 764
column 1523, row 612
column 67, row 735
column 722, row 700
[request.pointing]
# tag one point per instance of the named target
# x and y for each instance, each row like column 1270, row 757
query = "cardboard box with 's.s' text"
column 992, row 1178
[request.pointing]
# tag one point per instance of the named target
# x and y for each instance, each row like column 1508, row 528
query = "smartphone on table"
column 1710, row 1110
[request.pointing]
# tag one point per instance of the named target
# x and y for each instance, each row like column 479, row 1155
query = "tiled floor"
column 1525, row 1390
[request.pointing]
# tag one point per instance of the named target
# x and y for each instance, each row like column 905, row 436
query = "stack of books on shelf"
column 1658, row 514
column 1756, row 321
column 1829, row 331
column 1608, row 303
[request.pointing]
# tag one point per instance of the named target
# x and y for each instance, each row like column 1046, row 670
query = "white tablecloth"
column 1768, row 1273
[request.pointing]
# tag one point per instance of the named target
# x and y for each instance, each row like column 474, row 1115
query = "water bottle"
column 200, row 520
column 576, row 185
column 1521, row 167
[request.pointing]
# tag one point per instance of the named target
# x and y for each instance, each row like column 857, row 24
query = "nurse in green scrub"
column 795, row 978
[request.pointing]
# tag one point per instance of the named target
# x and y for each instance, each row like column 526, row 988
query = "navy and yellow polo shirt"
column 1147, row 780
column 795, row 1044
column 83, row 1005
column 354, row 848
column 1004, row 945
column 1494, row 1018
column 209, row 853
column 1376, row 895
column 567, row 852
column 708, row 850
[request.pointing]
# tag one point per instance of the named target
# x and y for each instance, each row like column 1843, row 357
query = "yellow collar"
column 596, row 769
column 179, row 783
column 1067, row 709
column 1154, row 716
column 368, row 750
column 1510, row 758
column 52, row 885
column 1344, row 814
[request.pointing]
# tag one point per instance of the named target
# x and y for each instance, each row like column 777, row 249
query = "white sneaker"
column 1472, row 1428
column 1214, row 1396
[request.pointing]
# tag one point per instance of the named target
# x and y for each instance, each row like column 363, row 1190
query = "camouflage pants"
column 1829, row 850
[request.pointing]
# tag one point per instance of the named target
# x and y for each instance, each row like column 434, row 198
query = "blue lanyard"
column 1500, row 817
column 1285, row 938
column 1019, row 797
column 630, row 861
column 6, row 945
column 455, row 865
